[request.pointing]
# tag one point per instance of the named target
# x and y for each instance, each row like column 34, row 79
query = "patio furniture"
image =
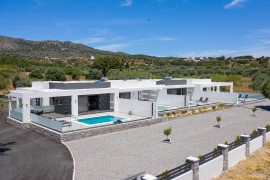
column 201, row 99
column 206, row 100
column 239, row 96
column 118, row 121
column 65, row 123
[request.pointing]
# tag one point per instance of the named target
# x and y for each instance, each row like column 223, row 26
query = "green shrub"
column 166, row 175
column 167, row 132
column 55, row 74
column 237, row 139
column 254, row 132
column 36, row 74
column 267, row 127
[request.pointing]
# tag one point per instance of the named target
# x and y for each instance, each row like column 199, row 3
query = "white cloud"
column 127, row 3
column 233, row 3
column 157, row 39
column 112, row 47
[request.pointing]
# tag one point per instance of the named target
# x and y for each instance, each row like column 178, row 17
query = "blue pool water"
column 252, row 95
column 100, row 119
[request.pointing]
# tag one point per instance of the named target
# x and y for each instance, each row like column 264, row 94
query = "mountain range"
column 50, row 49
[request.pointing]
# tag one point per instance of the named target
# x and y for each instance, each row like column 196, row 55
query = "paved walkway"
column 25, row 154
column 122, row 154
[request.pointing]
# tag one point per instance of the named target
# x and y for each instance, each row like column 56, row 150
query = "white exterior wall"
column 268, row 136
column 40, row 85
column 213, row 96
column 211, row 169
column 134, row 95
column 140, row 108
column 26, row 110
column 236, row 155
column 74, row 105
column 186, row 176
column 256, row 144
column 133, row 83
column 46, row 101
column 200, row 81
column 169, row 99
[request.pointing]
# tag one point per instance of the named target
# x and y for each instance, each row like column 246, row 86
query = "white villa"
column 55, row 104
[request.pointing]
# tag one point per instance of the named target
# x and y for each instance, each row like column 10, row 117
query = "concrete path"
column 122, row 154
column 25, row 154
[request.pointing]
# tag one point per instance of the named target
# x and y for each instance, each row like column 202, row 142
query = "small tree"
column 226, row 142
column 267, row 127
column 254, row 132
column 218, row 118
column 165, row 175
column 237, row 139
column 254, row 109
column 167, row 132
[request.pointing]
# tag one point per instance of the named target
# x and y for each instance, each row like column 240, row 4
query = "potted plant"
column 167, row 132
column 254, row 109
column 218, row 119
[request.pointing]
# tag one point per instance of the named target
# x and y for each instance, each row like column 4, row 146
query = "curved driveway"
column 25, row 154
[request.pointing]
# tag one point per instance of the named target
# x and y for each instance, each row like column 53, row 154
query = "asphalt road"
column 25, row 154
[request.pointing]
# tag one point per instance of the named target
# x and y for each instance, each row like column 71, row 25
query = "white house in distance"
column 83, row 104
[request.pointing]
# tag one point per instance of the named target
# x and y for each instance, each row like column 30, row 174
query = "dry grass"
column 255, row 167
column 243, row 86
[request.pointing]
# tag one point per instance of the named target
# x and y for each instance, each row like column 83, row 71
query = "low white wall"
column 169, row 99
column 213, row 96
column 187, row 176
column 236, row 155
column 255, row 144
column 268, row 136
column 211, row 169
column 140, row 108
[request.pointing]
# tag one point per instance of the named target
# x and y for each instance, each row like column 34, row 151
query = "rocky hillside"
column 49, row 49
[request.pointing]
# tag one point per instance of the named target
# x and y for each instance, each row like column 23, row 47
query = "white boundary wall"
column 139, row 108
column 187, row 176
column 223, row 97
column 268, row 136
column 170, row 99
column 211, row 169
column 236, row 155
column 255, row 144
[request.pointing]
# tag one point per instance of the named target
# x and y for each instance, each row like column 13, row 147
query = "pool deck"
column 122, row 154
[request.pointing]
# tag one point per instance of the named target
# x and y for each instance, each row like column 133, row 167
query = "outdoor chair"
column 206, row 100
column 239, row 96
column 201, row 99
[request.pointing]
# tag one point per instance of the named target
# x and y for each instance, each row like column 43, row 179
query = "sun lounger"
column 206, row 100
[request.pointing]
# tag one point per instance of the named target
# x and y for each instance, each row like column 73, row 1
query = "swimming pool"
column 99, row 119
column 252, row 95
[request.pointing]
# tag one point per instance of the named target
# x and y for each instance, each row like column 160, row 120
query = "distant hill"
column 50, row 49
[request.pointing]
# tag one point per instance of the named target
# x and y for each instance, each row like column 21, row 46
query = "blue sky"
column 153, row 27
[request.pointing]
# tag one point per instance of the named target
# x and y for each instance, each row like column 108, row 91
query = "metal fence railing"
column 255, row 135
column 175, row 172
column 235, row 144
column 210, row 156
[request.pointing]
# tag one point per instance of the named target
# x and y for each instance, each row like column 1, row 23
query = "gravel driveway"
column 122, row 154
